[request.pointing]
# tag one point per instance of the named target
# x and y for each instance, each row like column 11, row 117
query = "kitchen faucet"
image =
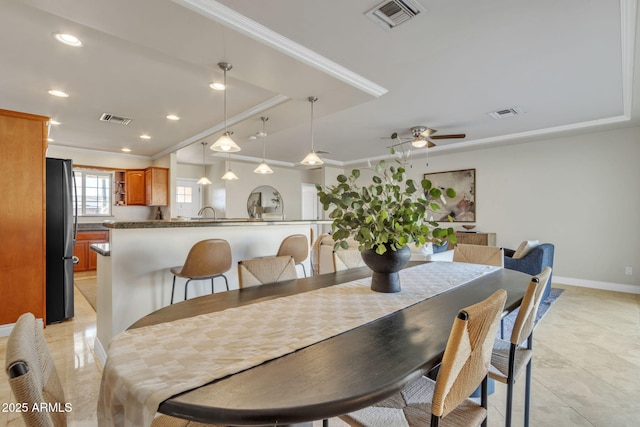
column 204, row 208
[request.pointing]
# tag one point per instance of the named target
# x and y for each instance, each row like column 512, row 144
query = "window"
column 93, row 192
column 183, row 194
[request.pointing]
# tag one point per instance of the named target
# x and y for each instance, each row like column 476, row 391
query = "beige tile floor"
column 586, row 365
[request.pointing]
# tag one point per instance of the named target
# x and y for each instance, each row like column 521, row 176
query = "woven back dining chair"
column 34, row 380
column 464, row 367
column 509, row 358
column 344, row 259
column 259, row 271
column 479, row 254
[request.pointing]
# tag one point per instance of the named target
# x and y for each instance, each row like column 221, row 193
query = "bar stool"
column 207, row 259
column 296, row 246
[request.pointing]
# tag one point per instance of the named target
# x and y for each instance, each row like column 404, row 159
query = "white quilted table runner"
column 148, row 365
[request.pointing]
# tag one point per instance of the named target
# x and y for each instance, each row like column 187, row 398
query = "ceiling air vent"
column 111, row 118
column 392, row 13
column 509, row 112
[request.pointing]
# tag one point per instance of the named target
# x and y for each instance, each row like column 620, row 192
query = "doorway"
column 188, row 197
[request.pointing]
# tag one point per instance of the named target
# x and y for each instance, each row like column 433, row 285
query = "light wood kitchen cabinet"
column 156, row 186
column 88, row 259
column 23, row 143
column 471, row 238
column 134, row 187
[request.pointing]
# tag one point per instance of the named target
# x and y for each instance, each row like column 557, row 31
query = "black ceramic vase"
column 385, row 268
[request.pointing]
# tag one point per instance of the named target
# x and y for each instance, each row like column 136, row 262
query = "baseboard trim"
column 101, row 354
column 594, row 284
column 5, row 330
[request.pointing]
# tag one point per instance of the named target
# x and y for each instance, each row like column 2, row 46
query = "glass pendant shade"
column 229, row 175
column 204, row 180
column 312, row 159
column 225, row 144
column 263, row 169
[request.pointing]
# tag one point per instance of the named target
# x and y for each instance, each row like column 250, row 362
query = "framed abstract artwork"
column 462, row 208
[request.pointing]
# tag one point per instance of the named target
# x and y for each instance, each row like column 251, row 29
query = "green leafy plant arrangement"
column 387, row 214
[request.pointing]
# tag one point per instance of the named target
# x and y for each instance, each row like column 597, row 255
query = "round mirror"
column 265, row 202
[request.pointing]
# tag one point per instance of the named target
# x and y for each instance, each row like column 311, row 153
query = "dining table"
column 331, row 374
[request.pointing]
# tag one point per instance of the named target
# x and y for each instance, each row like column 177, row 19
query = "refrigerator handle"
column 75, row 206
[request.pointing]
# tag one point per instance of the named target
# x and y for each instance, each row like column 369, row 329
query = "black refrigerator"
column 61, row 237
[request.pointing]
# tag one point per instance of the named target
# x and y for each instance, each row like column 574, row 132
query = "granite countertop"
column 92, row 226
column 103, row 249
column 207, row 222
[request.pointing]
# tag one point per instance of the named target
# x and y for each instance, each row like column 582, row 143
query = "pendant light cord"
column 312, row 100
column 225, row 101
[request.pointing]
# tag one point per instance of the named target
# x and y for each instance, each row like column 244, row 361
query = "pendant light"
column 229, row 175
column 204, row 180
column 225, row 143
column 312, row 158
column 263, row 168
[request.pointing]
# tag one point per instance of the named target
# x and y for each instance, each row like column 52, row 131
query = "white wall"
column 578, row 192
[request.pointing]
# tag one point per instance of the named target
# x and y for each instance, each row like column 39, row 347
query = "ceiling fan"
column 422, row 136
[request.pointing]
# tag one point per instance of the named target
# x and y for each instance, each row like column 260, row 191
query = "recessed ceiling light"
column 58, row 93
column 126, row 150
column 173, row 117
column 145, row 136
column 54, row 122
column 216, row 86
column 68, row 39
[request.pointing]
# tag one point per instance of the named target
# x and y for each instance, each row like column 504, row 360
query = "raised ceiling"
column 569, row 65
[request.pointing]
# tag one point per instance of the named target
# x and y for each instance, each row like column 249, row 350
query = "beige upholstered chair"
column 296, row 246
column 478, row 254
column 206, row 260
column 258, row 271
column 34, row 379
column 344, row 259
column 464, row 366
column 510, row 357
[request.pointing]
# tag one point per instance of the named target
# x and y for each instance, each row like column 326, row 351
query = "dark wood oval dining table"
column 338, row 375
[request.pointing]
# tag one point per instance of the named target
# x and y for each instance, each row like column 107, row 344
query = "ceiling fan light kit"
column 225, row 143
column 312, row 159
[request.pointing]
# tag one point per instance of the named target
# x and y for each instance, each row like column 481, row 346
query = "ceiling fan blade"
column 431, row 144
column 451, row 136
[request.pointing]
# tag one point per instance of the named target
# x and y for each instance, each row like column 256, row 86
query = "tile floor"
column 586, row 364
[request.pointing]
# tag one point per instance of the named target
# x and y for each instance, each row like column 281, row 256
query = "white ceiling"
column 569, row 65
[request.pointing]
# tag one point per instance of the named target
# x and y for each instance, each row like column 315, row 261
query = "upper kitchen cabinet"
column 135, row 188
column 148, row 187
column 22, row 217
column 156, row 186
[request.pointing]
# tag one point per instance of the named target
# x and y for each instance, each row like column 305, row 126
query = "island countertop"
column 207, row 222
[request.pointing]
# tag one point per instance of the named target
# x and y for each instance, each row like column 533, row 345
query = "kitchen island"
column 133, row 270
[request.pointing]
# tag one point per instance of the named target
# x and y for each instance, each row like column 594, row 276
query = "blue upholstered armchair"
column 532, row 263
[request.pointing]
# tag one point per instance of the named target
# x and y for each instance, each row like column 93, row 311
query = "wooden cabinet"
column 88, row 259
column 470, row 238
column 134, row 187
column 156, row 186
column 142, row 187
column 23, row 142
